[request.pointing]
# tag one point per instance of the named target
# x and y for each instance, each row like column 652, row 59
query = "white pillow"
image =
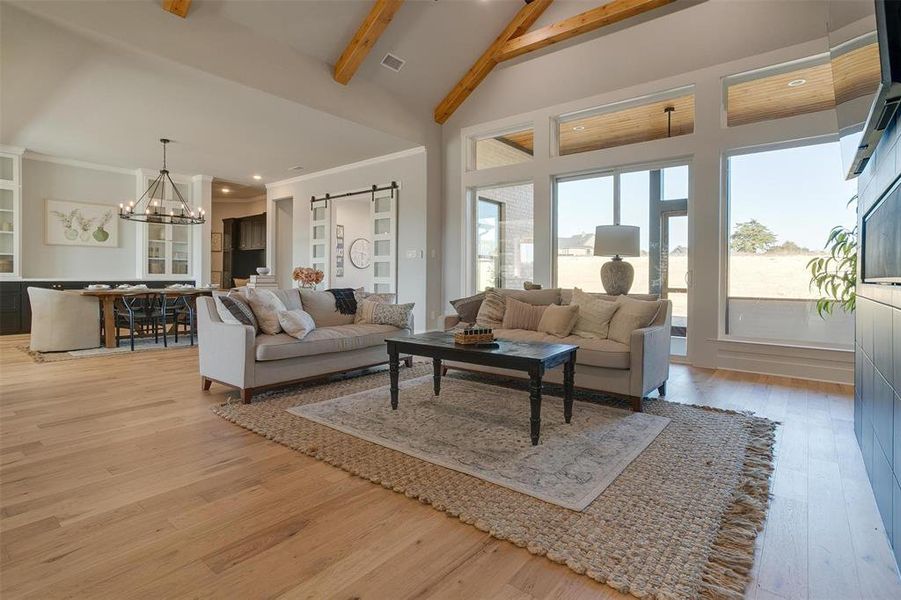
column 296, row 323
column 594, row 315
column 266, row 306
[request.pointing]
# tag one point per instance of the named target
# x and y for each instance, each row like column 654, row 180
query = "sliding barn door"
column 320, row 240
column 384, row 242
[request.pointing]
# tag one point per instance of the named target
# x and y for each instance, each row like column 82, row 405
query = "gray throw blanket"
column 345, row 301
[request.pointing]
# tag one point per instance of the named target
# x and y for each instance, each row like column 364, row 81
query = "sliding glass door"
column 655, row 201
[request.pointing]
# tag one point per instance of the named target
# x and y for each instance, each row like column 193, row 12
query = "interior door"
column 320, row 240
column 674, row 278
column 384, row 242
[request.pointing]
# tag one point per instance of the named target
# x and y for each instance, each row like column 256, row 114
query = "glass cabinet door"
column 9, row 207
column 168, row 246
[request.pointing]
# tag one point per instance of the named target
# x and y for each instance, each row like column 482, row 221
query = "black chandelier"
column 152, row 211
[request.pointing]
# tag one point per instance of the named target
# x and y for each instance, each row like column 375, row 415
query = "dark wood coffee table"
column 531, row 357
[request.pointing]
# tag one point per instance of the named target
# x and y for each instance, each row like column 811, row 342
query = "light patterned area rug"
column 483, row 430
column 680, row 521
column 141, row 345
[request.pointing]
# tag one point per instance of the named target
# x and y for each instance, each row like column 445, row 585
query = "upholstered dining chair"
column 62, row 321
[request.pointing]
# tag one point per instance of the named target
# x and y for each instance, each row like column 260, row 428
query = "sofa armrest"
column 451, row 321
column 227, row 350
column 650, row 352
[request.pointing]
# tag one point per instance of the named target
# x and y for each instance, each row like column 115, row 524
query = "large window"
column 504, row 236
column 655, row 201
column 782, row 205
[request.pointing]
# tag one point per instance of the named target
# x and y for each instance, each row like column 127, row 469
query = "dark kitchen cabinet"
column 252, row 232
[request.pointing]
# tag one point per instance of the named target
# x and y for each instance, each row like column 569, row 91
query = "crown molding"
column 349, row 166
column 17, row 150
column 203, row 178
column 71, row 162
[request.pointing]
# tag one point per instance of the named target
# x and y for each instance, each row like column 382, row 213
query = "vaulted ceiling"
column 253, row 87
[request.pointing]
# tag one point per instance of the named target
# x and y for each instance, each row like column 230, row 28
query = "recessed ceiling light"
column 225, row 190
column 796, row 82
column 257, row 177
column 579, row 128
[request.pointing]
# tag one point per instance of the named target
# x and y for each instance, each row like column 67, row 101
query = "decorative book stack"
column 262, row 282
column 474, row 335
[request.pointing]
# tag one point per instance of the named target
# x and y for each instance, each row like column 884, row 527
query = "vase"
column 70, row 234
column 100, row 234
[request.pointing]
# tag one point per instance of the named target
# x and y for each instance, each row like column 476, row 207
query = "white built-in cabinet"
column 166, row 250
column 10, row 213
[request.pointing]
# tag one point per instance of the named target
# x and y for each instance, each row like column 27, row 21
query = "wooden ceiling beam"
column 177, row 7
column 607, row 14
column 524, row 19
column 365, row 38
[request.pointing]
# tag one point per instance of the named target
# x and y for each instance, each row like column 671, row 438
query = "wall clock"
column 360, row 254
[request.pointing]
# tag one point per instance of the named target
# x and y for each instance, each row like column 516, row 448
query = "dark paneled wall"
column 877, row 372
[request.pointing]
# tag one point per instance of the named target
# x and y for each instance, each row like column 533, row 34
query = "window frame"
column 725, row 232
column 470, row 149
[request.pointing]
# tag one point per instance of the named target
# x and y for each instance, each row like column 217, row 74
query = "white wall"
column 704, row 150
column 284, row 241
column 419, row 275
column 43, row 180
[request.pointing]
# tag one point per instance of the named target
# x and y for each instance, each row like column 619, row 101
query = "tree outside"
column 752, row 237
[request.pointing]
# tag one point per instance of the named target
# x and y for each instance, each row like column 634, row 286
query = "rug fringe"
column 728, row 568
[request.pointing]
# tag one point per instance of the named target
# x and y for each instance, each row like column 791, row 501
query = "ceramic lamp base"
column 617, row 276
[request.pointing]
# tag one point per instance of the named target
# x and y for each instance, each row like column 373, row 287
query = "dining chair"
column 62, row 321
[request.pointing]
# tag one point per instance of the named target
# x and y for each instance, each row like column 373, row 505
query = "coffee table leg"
column 394, row 370
column 535, row 401
column 436, row 374
column 569, row 372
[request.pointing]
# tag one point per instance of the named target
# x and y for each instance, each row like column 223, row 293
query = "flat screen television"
column 881, row 239
column 888, row 95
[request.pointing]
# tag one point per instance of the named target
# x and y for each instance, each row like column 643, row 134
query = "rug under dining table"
column 679, row 521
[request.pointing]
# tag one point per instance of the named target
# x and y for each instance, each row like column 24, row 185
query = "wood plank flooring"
column 116, row 481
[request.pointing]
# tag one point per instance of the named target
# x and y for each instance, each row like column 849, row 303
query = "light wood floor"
column 118, row 482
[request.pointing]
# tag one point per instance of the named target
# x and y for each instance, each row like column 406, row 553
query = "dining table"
column 107, row 298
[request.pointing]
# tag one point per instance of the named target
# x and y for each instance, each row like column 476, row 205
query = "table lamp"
column 616, row 241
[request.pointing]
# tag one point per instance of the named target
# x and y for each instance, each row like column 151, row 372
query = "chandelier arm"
column 159, row 182
column 149, row 187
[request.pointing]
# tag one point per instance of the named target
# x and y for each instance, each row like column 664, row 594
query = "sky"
column 799, row 193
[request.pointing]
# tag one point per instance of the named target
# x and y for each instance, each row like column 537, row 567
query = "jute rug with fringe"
column 679, row 522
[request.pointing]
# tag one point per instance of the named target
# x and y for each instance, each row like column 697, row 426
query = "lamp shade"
column 616, row 240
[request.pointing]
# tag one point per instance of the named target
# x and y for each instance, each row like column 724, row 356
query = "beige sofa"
column 232, row 355
column 632, row 370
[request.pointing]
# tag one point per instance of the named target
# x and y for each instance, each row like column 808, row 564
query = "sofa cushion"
column 266, row 305
column 592, row 353
column 297, row 323
column 323, row 340
column 632, row 314
column 594, row 315
column 559, row 320
column 566, row 296
column 468, row 308
column 321, row 306
column 234, row 309
column 360, row 296
column 521, row 315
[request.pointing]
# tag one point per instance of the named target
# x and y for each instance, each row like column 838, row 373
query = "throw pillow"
column 360, row 295
column 594, row 315
column 632, row 314
column 266, row 306
column 468, row 308
column 379, row 313
column 296, row 322
column 491, row 312
column 321, row 306
column 520, row 315
column 558, row 320
column 235, row 310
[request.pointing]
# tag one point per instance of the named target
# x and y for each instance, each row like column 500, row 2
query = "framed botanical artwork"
column 80, row 224
column 216, row 242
